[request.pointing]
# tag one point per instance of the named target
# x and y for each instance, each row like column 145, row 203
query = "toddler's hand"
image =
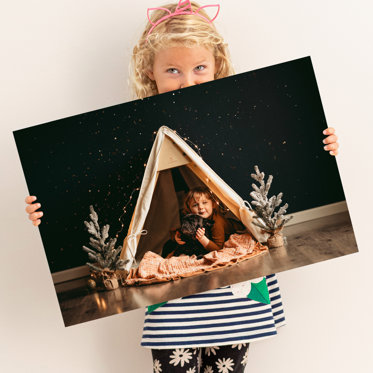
column 178, row 239
column 200, row 235
column 331, row 141
column 31, row 208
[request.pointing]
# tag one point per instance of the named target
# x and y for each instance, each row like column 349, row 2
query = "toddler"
column 200, row 201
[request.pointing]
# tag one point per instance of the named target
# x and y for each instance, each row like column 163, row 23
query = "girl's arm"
column 204, row 241
column 217, row 233
column 208, row 244
column 31, row 208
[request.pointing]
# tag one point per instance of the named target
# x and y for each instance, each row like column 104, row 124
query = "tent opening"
column 166, row 206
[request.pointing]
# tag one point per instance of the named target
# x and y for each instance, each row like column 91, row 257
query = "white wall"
column 60, row 58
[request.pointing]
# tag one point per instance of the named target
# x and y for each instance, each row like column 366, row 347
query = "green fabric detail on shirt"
column 259, row 292
column 155, row 306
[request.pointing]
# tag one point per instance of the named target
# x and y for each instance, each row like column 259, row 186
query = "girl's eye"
column 172, row 70
column 200, row 68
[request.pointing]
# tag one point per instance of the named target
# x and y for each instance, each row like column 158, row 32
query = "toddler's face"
column 180, row 67
column 201, row 205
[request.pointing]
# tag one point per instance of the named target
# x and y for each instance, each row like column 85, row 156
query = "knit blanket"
column 155, row 269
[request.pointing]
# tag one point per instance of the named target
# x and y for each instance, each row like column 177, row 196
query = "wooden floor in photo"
column 308, row 243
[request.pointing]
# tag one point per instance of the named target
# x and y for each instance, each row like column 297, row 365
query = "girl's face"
column 180, row 67
column 201, row 205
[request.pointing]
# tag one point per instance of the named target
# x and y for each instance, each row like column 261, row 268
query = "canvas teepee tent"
column 157, row 207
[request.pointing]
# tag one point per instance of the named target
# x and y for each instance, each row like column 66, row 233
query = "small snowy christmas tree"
column 266, row 217
column 104, row 255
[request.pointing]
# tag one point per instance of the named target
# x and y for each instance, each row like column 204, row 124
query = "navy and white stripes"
column 213, row 318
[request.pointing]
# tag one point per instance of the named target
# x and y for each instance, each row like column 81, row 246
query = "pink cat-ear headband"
column 184, row 7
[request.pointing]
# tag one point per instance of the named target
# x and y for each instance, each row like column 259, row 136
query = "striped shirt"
column 213, row 318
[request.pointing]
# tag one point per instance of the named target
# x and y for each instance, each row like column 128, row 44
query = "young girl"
column 207, row 332
column 200, row 201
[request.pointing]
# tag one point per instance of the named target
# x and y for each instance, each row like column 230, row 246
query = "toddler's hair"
column 182, row 30
column 195, row 192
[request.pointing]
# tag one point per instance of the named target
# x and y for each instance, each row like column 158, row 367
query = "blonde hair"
column 181, row 30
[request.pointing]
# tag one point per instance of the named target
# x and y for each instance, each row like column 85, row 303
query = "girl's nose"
column 187, row 81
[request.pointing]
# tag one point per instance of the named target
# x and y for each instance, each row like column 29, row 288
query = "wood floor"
column 308, row 243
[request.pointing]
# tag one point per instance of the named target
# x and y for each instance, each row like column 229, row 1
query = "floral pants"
column 216, row 359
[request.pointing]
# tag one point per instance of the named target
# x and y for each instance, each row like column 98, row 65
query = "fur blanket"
column 154, row 269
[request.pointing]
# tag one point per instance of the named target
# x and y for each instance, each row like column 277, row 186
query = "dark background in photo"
column 271, row 117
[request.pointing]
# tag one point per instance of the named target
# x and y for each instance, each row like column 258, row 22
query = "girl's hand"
column 331, row 141
column 31, row 208
column 200, row 235
column 178, row 239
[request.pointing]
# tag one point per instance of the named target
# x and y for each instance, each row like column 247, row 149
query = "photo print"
column 123, row 181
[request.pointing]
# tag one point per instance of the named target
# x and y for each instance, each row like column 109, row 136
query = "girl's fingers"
column 30, row 199
column 32, row 208
column 36, row 222
column 333, row 146
column 329, row 131
column 178, row 240
column 330, row 139
column 35, row 216
column 200, row 233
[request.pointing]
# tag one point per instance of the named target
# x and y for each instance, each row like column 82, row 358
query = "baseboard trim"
column 74, row 277
column 318, row 212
